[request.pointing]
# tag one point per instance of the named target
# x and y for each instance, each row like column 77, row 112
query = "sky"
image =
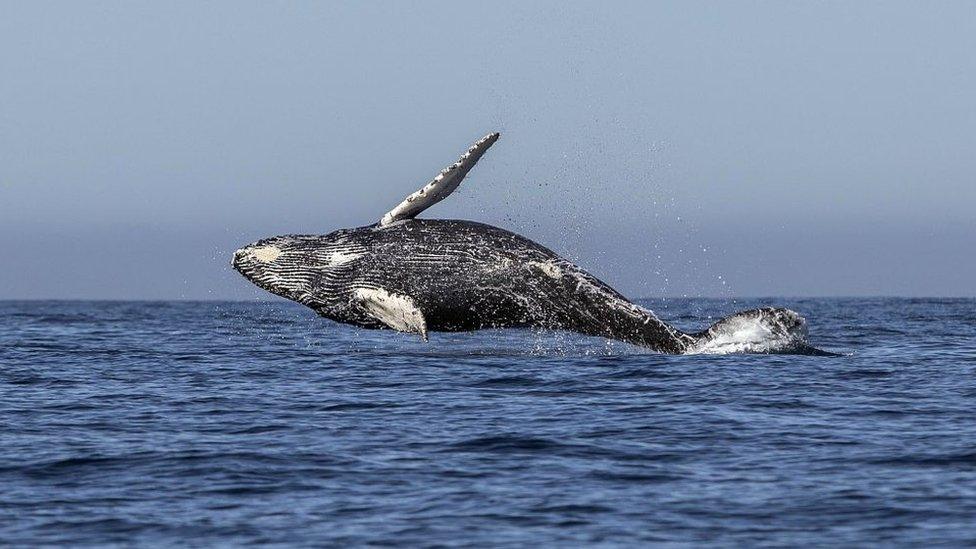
column 670, row 148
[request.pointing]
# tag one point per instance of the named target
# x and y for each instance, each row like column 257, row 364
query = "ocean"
column 226, row 423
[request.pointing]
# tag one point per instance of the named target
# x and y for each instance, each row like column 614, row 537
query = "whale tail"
column 764, row 330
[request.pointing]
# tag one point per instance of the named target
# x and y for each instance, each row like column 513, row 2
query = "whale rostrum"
column 428, row 275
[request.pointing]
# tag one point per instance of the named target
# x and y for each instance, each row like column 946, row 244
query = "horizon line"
column 282, row 300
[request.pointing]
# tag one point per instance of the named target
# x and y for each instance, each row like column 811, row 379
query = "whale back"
column 465, row 275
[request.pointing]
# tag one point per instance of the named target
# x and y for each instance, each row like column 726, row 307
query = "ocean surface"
column 223, row 423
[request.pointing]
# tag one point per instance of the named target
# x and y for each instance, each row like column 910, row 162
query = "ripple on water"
column 260, row 423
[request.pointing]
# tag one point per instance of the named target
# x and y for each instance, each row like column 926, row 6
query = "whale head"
column 298, row 267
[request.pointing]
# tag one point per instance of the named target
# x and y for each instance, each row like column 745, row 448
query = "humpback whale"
column 427, row 275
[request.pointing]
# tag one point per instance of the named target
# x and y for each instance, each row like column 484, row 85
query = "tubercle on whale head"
column 264, row 263
column 291, row 265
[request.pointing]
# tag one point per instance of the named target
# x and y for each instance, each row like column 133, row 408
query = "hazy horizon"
column 270, row 298
column 674, row 149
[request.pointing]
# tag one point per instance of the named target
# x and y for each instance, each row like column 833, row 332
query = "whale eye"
column 266, row 254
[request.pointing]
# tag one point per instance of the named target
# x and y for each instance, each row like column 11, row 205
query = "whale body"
column 428, row 275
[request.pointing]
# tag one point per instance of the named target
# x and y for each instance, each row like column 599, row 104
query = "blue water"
column 227, row 423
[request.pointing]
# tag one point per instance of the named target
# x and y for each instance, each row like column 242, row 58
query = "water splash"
column 764, row 330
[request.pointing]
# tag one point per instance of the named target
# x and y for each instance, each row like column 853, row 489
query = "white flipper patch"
column 441, row 186
column 397, row 311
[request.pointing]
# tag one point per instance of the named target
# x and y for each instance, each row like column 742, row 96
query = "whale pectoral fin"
column 399, row 312
column 441, row 186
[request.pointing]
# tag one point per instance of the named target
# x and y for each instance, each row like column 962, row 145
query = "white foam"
column 762, row 333
column 549, row 268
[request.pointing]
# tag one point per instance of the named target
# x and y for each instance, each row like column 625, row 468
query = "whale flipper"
column 441, row 186
column 399, row 312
